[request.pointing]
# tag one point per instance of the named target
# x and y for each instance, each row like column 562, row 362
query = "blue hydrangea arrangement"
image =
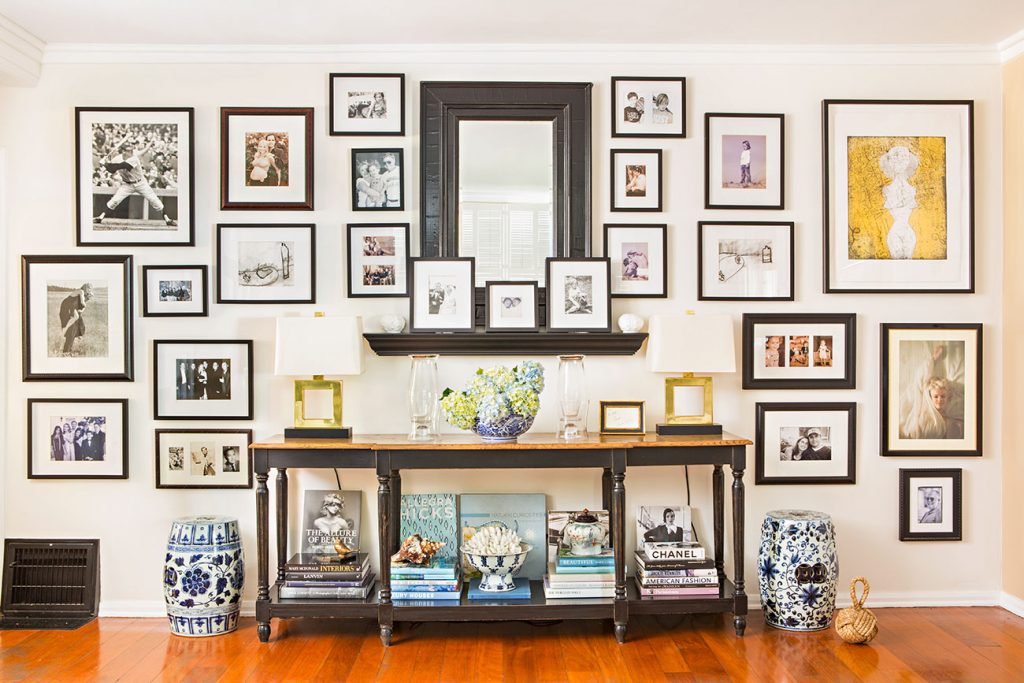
column 498, row 403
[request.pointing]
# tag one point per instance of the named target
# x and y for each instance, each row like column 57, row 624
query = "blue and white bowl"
column 508, row 429
column 496, row 570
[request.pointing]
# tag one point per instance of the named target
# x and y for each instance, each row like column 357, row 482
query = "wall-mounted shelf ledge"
column 508, row 343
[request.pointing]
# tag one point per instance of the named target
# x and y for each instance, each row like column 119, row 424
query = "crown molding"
column 1011, row 47
column 21, row 54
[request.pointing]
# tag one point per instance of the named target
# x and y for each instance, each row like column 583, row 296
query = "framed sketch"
column 266, row 158
column 744, row 161
column 77, row 438
column 578, row 294
column 377, row 180
column 203, row 459
column 899, row 195
column 622, row 417
column 175, row 291
column 261, row 263
column 639, row 256
column 512, row 306
column 636, row 180
column 745, row 261
column 806, row 443
column 442, row 297
column 377, row 258
column 648, row 107
column 931, row 389
column 198, row 379
column 931, row 505
column 799, row 350
column 135, row 176
column 367, row 104
column 77, row 318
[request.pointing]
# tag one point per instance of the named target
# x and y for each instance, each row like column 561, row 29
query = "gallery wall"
column 132, row 518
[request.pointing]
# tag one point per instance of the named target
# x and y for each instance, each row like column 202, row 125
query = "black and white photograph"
column 76, row 316
column 377, row 260
column 578, row 294
column 377, row 180
column 78, row 438
column 176, row 458
column 636, row 180
column 330, row 517
column 266, row 263
column 744, row 161
column 931, row 504
column 442, row 297
column 512, row 305
column 745, row 261
column 639, row 254
column 367, row 104
column 266, row 158
column 203, row 379
column 670, row 523
column 175, row 291
column 799, row 350
column 200, row 379
column 806, row 443
column 648, row 107
column 231, row 458
column 135, row 176
column 203, row 458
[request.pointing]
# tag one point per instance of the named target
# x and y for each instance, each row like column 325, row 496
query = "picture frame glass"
column 636, row 182
column 638, row 257
column 378, row 182
column 199, row 459
column 266, row 263
column 512, row 306
column 367, row 104
column 266, row 159
column 175, row 291
column 442, row 294
column 744, row 162
column 931, row 508
column 578, row 294
column 206, row 380
column 378, row 259
column 622, row 417
column 746, row 261
column 72, row 439
column 648, row 107
column 805, row 444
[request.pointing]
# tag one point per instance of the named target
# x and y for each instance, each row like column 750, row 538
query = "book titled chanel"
column 657, row 552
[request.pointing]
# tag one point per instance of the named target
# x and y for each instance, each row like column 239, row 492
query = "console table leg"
column 385, row 635
column 263, row 554
column 263, row 631
column 740, row 599
column 620, row 633
column 396, row 510
column 281, row 486
column 618, row 517
column 606, row 492
column 385, row 615
column 718, row 492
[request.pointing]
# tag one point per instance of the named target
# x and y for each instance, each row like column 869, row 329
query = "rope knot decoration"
column 857, row 624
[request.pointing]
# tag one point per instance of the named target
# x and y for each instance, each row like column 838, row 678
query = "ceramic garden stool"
column 203, row 575
column 798, row 570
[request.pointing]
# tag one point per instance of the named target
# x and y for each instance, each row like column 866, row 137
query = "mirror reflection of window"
column 506, row 198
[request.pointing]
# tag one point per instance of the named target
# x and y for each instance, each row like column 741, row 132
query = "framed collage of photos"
column 442, row 295
column 511, row 306
column 931, row 504
column 266, row 263
column 648, row 107
column 377, row 259
column 578, row 295
column 639, row 256
column 744, row 161
column 77, row 438
column 806, row 443
column 202, row 379
column 745, row 261
column 378, row 183
column 367, row 104
column 203, row 459
column 799, row 351
column 175, row 291
column 636, row 180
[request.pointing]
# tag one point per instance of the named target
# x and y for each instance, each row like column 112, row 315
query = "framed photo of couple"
column 806, row 443
column 931, row 505
column 442, row 296
column 799, row 350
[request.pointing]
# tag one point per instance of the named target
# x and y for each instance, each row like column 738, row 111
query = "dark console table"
column 388, row 455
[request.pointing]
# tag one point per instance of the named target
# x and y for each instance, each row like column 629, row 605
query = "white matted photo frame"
column 636, row 180
column 511, row 306
column 578, row 294
column 175, row 291
column 203, row 459
column 744, row 161
column 199, row 379
column 266, row 263
column 442, row 297
column 899, row 195
column 806, row 443
column 639, row 258
column 367, row 104
column 648, row 107
column 622, row 417
column 135, row 176
column 931, row 504
column 745, row 261
column 931, row 389
column 377, row 259
column 378, row 181
column 799, row 350
column 266, row 158
column 77, row 318
column 77, row 438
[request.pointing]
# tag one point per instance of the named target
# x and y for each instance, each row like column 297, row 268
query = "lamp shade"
column 319, row 346
column 691, row 343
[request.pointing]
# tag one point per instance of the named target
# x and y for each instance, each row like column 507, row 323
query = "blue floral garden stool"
column 798, row 570
column 204, row 571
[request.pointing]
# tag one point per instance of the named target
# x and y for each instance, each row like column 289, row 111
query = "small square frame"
column 489, row 308
column 704, row 418
column 638, row 406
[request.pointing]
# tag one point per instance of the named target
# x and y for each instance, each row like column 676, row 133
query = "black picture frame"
column 639, row 406
column 126, row 317
column 156, row 379
column 332, row 130
column 489, row 327
column 703, row 296
column 350, row 292
column 123, row 474
column 247, row 457
column 399, row 153
column 413, row 295
column 663, row 228
column 204, row 278
column 612, row 189
column 762, row 409
column 708, row 203
column 607, row 327
column 681, row 113
column 956, row 486
column 749, row 324
column 222, row 227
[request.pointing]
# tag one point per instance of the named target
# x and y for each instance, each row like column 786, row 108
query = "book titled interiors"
column 330, row 519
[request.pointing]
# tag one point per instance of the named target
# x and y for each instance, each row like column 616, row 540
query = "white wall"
column 132, row 518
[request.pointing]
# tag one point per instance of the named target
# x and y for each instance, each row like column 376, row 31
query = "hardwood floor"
column 938, row 644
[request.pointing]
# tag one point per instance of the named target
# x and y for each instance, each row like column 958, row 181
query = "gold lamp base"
column 689, row 405
column 318, row 410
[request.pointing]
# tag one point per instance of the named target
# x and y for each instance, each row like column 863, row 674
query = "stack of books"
column 675, row 572
column 441, row 579
column 326, row 577
column 577, row 576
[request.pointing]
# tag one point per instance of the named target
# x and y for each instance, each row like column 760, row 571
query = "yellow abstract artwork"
column 897, row 197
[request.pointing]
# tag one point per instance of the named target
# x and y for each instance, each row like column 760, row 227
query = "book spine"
column 419, row 595
column 678, row 592
column 678, row 572
column 398, row 583
column 331, row 593
column 584, row 570
column 323, row 568
column 324, row 576
column 679, row 581
column 586, row 561
column 678, row 554
column 324, row 584
column 424, row 588
column 582, row 585
column 555, row 593
column 446, row 575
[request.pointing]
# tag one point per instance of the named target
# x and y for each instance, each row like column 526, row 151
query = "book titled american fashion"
column 322, row 593
column 558, row 546
column 330, row 518
column 316, row 562
column 663, row 524
column 434, row 516
column 651, row 581
column 523, row 513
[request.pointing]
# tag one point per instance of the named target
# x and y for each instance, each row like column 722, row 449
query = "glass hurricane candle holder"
column 572, row 398
column 423, row 396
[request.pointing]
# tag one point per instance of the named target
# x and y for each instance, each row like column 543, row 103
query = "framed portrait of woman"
column 931, row 389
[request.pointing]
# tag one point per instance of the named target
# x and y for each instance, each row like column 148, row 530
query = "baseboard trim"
column 1011, row 603
column 153, row 608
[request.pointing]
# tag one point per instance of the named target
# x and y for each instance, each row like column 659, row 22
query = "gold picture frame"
column 688, row 380
column 621, row 421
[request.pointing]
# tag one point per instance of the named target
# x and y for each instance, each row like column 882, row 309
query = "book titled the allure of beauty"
column 330, row 521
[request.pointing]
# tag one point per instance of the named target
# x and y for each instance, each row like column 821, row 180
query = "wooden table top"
column 528, row 441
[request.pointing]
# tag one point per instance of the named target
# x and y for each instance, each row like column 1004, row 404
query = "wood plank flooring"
column 935, row 644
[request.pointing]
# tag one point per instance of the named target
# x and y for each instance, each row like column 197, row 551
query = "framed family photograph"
column 135, row 176
column 377, row 180
column 639, row 256
column 198, row 379
column 636, row 180
column 377, row 258
column 745, row 261
column 266, row 263
column 77, row 438
column 622, row 417
column 512, row 306
column 931, row 505
column 367, row 104
column 648, row 107
column 899, row 195
column 77, row 318
column 744, row 161
column 175, row 291
column 203, row 459
column 266, row 158
column 442, row 296
column 931, row 389
column 806, row 443
column 578, row 294
column 799, row 350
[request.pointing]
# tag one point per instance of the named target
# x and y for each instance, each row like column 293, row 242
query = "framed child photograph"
column 77, row 438
column 367, row 104
column 512, row 306
column 377, row 259
column 442, row 295
column 175, row 291
column 77, row 318
column 266, row 263
column 135, row 176
column 806, row 443
column 622, row 417
column 636, row 180
column 648, row 107
column 931, row 389
column 639, row 256
column 198, row 379
column 745, row 261
column 744, row 161
column 377, row 179
column 266, row 158
column 578, row 294
column 799, row 350
column 931, row 505
column 203, row 459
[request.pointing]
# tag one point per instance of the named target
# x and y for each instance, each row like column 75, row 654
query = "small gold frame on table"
column 607, row 428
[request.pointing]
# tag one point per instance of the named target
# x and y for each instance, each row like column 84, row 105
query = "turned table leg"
column 740, row 600
column 281, row 488
column 385, row 614
column 618, row 517
column 263, row 557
